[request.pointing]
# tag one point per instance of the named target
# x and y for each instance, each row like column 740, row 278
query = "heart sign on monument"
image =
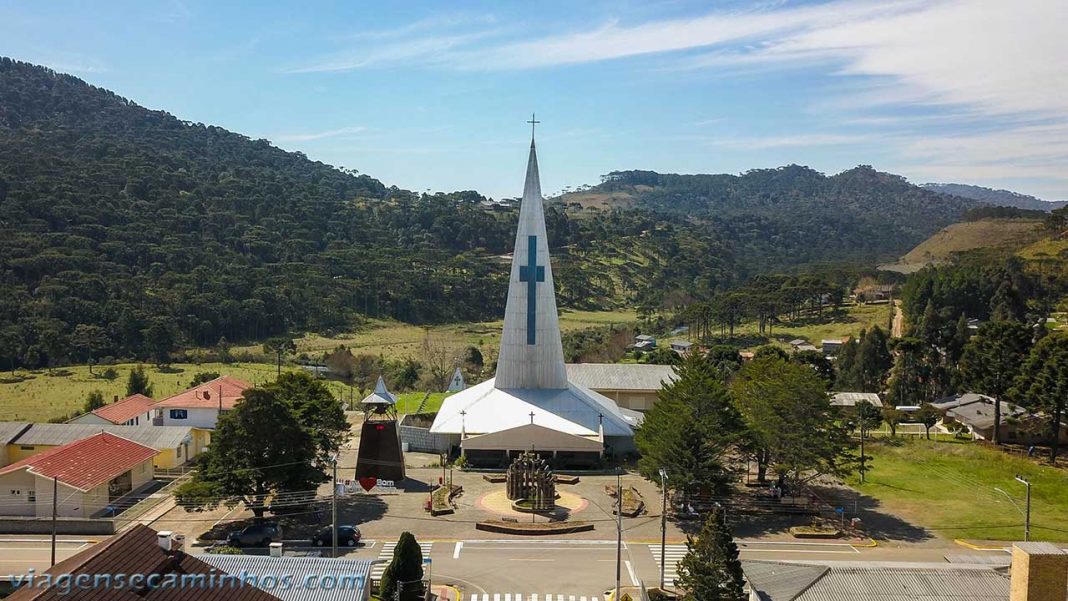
column 368, row 482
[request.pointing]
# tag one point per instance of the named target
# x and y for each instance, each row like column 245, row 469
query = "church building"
column 531, row 403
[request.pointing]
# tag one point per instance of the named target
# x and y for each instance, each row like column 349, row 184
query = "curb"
column 874, row 543
column 975, row 547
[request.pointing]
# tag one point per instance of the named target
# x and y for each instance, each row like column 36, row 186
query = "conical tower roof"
column 380, row 396
column 531, row 354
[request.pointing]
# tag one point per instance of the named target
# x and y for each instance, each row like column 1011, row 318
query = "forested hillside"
column 1001, row 198
column 793, row 214
column 128, row 232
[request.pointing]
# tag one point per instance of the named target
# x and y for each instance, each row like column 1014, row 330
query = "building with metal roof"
column 976, row 413
column 788, row 581
column 174, row 445
column 631, row 385
column 334, row 579
column 9, row 431
column 852, row 399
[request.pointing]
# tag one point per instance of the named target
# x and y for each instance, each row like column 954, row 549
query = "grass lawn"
column 41, row 396
column 948, row 487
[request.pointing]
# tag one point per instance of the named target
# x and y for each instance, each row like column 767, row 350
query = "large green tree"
column 319, row 413
column 992, row 359
column 1042, row 384
column 258, row 449
column 691, row 429
column 710, row 570
column 790, row 420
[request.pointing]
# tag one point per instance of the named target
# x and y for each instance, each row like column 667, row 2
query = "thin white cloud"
column 791, row 141
column 990, row 68
column 320, row 135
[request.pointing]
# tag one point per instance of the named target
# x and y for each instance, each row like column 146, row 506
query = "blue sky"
column 434, row 95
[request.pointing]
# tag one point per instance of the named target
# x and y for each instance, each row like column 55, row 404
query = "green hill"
column 968, row 235
column 127, row 232
column 791, row 215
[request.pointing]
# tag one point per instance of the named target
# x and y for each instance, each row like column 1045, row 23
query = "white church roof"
column 573, row 410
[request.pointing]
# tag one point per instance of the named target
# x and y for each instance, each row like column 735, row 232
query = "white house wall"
column 17, row 504
column 197, row 417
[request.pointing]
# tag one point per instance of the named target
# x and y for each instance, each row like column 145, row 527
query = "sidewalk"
column 445, row 593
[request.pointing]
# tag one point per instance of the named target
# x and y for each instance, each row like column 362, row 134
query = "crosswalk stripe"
column 673, row 554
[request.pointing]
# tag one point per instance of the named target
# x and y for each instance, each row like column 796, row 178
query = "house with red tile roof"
column 134, row 410
column 200, row 406
column 89, row 475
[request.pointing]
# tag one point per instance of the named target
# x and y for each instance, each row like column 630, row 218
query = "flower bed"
column 814, row 532
column 633, row 505
column 441, row 499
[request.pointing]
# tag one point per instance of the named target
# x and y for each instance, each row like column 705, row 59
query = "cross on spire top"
column 532, row 123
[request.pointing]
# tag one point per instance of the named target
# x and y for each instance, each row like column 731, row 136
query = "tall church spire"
column 531, row 353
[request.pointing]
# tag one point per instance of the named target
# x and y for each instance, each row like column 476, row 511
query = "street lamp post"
column 663, row 523
column 1027, row 516
column 333, row 511
column 619, row 529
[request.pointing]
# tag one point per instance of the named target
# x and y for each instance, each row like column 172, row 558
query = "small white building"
column 200, row 407
column 681, row 347
column 90, row 475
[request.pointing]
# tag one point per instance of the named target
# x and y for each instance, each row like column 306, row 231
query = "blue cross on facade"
column 532, row 273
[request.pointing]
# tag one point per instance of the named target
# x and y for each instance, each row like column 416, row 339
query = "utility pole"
column 663, row 524
column 333, row 512
column 619, row 528
column 55, row 503
column 862, row 458
column 1027, row 516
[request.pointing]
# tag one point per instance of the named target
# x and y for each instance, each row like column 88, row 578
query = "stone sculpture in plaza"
column 530, row 479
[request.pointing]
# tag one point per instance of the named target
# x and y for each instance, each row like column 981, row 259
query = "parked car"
column 256, row 535
column 347, row 536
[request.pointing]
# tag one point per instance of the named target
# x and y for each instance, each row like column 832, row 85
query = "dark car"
column 347, row 536
column 256, row 535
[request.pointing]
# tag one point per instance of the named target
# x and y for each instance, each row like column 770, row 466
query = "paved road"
column 517, row 570
column 18, row 554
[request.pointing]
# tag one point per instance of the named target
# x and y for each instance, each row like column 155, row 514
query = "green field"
column 949, row 488
column 395, row 339
column 848, row 321
column 40, row 396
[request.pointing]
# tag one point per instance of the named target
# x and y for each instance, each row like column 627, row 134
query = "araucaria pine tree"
column 405, row 572
column 710, row 571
